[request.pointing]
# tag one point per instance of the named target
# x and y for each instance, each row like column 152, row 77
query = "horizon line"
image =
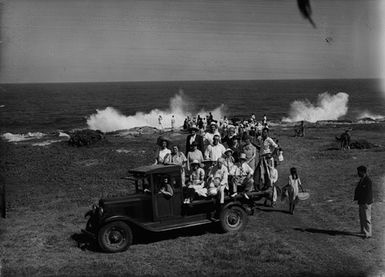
column 185, row 81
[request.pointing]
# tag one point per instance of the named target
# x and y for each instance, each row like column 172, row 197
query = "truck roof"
column 149, row 169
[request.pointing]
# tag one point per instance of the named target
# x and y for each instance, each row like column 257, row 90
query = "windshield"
column 142, row 184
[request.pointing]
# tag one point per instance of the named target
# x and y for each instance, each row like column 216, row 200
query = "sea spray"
column 367, row 114
column 22, row 137
column 328, row 107
column 110, row 119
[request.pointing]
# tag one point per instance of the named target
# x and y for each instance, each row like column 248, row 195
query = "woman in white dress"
column 292, row 189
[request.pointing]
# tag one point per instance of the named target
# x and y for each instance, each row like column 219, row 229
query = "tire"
column 115, row 237
column 233, row 219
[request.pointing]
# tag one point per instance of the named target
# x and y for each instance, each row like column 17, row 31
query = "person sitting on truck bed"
column 194, row 154
column 196, row 182
column 162, row 151
column 218, row 180
column 177, row 157
column 243, row 176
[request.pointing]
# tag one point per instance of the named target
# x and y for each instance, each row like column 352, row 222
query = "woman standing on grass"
column 292, row 189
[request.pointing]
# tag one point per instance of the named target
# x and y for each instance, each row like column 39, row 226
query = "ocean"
column 66, row 106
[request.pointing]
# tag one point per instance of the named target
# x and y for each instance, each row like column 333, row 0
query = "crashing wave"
column 328, row 107
column 110, row 119
column 22, row 137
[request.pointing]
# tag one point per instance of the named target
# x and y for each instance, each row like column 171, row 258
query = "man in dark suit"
column 194, row 137
column 364, row 196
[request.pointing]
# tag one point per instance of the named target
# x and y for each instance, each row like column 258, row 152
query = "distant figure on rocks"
column 172, row 123
column 364, row 196
column 299, row 131
column 264, row 121
column 210, row 118
column 344, row 140
column 160, row 122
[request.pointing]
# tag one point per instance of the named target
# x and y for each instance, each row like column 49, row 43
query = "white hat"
column 221, row 160
column 242, row 156
column 195, row 162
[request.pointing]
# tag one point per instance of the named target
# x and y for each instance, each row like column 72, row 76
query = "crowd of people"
column 231, row 157
column 227, row 157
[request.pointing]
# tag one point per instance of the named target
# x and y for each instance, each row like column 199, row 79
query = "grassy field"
column 50, row 188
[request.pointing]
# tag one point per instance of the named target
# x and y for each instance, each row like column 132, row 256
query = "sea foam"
column 328, row 107
column 110, row 119
column 367, row 114
column 22, row 137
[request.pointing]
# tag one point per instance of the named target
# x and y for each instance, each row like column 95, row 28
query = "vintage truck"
column 113, row 220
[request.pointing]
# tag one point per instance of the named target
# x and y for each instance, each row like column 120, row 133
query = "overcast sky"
column 150, row 40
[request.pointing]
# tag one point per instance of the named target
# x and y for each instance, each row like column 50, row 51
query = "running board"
column 180, row 225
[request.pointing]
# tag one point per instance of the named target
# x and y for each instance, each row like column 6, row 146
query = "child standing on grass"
column 292, row 189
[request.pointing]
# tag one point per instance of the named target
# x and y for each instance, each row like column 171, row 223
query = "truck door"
column 166, row 206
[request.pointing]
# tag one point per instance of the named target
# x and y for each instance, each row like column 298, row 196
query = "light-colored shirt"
column 242, row 171
column 194, row 155
column 192, row 139
column 197, row 176
column 265, row 145
column 294, row 183
column 214, row 152
column 221, row 173
column 251, row 152
column 229, row 163
column 209, row 137
column 178, row 158
column 162, row 154
column 273, row 175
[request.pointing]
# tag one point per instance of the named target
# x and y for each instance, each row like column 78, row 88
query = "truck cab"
column 113, row 220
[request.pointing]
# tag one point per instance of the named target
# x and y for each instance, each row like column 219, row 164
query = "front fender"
column 123, row 218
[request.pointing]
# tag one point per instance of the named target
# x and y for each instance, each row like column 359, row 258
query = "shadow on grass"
column 141, row 236
column 328, row 232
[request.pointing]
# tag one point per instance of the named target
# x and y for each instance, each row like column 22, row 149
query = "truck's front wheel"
column 115, row 237
column 233, row 219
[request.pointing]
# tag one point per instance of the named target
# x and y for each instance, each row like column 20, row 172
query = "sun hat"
column 222, row 160
column 213, row 123
column 242, row 156
column 195, row 162
column 161, row 139
column 229, row 150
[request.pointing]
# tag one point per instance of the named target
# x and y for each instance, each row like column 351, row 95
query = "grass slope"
column 50, row 188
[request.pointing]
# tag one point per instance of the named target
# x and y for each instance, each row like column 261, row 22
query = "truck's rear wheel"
column 115, row 237
column 233, row 219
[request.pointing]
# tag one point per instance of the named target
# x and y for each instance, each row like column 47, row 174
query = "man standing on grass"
column 364, row 196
